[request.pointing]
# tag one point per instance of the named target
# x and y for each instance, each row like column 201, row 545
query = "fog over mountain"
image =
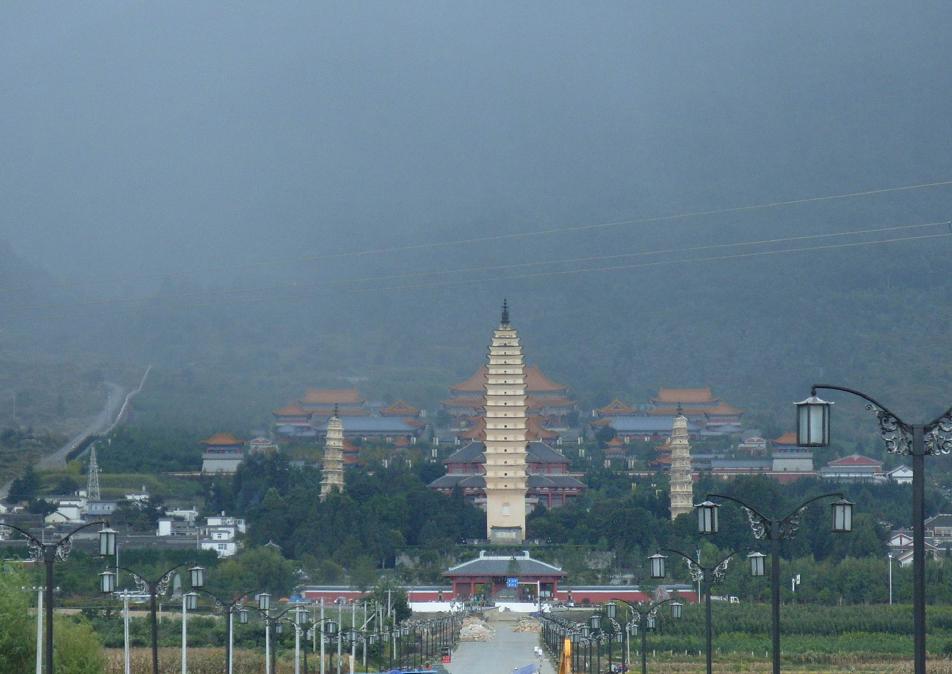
column 267, row 190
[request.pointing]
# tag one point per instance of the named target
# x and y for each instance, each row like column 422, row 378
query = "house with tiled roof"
column 223, row 452
column 853, row 468
column 549, row 480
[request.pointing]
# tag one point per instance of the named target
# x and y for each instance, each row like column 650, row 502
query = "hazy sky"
column 141, row 137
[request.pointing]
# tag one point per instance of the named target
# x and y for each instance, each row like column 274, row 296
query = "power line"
column 358, row 281
column 665, row 251
column 542, row 232
column 659, row 263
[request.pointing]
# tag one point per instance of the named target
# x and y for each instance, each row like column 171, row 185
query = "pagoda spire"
column 505, row 312
column 92, row 477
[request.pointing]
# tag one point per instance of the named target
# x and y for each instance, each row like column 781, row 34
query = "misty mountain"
column 263, row 198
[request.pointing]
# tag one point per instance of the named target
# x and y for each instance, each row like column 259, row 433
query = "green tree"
column 364, row 573
column 17, row 640
column 25, row 487
column 78, row 648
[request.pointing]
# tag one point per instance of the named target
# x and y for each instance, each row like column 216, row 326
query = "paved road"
column 507, row 651
column 99, row 423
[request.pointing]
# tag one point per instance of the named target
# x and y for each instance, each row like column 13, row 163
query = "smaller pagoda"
column 332, row 473
column 682, row 485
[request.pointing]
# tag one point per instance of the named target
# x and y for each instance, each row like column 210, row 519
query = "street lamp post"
column 189, row 603
column 155, row 587
column 705, row 576
column 918, row 440
column 775, row 529
column 646, row 615
column 48, row 553
column 229, row 607
column 890, row 557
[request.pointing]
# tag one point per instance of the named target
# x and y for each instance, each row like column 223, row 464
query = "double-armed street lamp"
column 706, row 576
column 916, row 440
column 775, row 529
column 230, row 607
column 155, row 586
column 643, row 617
column 48, row 553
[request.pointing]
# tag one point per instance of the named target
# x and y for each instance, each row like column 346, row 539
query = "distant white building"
column 64, row 514
column 900, row 475
column 220, row 534
column 187, row 514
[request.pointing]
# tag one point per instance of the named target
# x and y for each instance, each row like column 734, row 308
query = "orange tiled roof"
column 463, row 402
column 725, row 408
column 221, row 440
column 536, row 381
column 720, row 408
column 672, row 411
column 615, row 442
column 291, row 410
column 475, row 432
column 341, row 412
column 685, row 395
column 330, row 396
column 536, row 431
column 401, row 442
column 400, row 409
column 616, row 407
column 534, row 402
column 350, row 446
column 786, row 439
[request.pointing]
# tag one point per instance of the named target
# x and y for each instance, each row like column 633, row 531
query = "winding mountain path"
column 113, row 411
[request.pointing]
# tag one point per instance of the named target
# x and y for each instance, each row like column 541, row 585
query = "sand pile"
column 475, row 629
column 528, row 625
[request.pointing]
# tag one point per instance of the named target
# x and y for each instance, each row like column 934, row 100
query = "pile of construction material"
column 475, row 629
column 528, row 625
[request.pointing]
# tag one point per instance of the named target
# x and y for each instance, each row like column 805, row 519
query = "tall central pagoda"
column 505, row 405
column 682, row 484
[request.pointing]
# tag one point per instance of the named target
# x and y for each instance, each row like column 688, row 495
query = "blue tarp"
column 528, row 669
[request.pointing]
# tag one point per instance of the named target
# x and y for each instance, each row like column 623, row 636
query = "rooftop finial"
column 505, row 312
column 680, row 410
column 336, row 414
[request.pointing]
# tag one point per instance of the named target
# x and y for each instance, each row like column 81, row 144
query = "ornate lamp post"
column 48, row 553
column 230, row 608
column 644, row 617
column 774, row 529
column 918, row 440
column 155, row 587
column 707, row 576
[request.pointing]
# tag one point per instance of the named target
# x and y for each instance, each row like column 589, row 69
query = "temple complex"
column 700, row 406
column 507, row 467
column 308, row 418
column 548, row 404
column 549, row 482
column 332, row 474
column 707, row 415
column 682, row 483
